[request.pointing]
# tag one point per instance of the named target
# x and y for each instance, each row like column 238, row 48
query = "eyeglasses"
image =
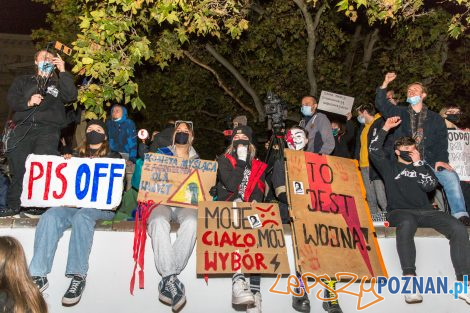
column 189, row 123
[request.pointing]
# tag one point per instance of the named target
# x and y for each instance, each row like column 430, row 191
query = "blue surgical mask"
column 413, row 100
column 306, row 110
column 46, row 67
column 361, row 119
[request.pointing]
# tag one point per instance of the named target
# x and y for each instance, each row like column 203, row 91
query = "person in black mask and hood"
column 241, row 178
column 55, row 221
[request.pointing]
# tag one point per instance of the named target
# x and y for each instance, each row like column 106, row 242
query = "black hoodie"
column 406, row 185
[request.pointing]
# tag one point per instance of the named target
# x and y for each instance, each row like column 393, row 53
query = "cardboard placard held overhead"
column 51, row 181
column 176, row 181
column 459, row 153
column 240, row 237
column 335, row 103
column 332, row 228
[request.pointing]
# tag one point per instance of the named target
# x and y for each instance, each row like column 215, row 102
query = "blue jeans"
column 451, row 183
column 50, row 229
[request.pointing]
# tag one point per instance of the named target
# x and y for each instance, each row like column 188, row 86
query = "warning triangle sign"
column 191, row 191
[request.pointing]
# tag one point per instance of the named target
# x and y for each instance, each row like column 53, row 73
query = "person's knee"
column 459, row 231
column 407, row 226
column 189, row 222
column 83, row 217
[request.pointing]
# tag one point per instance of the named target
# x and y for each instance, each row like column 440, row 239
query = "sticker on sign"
column 335, row 103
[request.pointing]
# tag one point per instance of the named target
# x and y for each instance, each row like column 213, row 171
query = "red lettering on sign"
column 32, row 178
column 62, row 178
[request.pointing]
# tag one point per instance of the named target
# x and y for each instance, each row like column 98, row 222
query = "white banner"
column 51, row 181
column 335, row 103
column 459, row 153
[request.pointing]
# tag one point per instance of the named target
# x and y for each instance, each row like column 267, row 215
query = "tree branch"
column 245, row 84
column 221, row 83
column 311, row 26
column 369, row 42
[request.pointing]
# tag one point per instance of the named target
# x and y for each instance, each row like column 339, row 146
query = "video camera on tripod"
column 276, row 111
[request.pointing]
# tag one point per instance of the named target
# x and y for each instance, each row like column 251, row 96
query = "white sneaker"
column 255, row 307
column 413, row 298
column 465, row 296
column 241, row 293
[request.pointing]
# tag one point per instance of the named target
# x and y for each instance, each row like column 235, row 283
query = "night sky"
column 21, row 16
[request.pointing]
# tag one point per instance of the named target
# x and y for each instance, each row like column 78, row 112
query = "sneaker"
column 74, row 293
column 241, row 293
column 333, row 305
column 163, row 293
column 301, row 304
column 465, row 295
column 33, row 212
column 256, row 306
column 413, row 298
column 41, row 282
column 9, row 212
column 175, row 289
column 465, row 220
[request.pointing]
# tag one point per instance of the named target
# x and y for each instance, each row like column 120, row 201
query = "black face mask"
column 453, row 118
column 181, row 138
column 94, row 138
column 405, row 155
column 243, row 142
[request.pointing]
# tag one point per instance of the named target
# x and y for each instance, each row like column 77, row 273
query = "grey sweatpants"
column 171, row 259
column 375, row 192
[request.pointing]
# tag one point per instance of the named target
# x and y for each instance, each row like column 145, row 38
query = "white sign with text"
column 335, row 103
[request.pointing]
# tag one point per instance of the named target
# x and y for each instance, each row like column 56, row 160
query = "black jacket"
column 230, row 176
column 51, row 111
column 435, row 131
column 406, row 186
column 343, row 142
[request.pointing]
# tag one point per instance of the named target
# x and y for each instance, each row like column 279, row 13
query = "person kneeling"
column 407, row 181
column 55, row 221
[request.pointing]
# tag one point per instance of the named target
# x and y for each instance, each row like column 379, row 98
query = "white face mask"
column 296, row 139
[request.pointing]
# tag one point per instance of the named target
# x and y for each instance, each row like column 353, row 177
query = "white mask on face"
column 296, row 139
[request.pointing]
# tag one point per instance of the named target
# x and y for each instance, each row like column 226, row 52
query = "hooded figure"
column 122, row 133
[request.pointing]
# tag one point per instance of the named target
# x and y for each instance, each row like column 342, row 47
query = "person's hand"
column 67, row 156
column 35, row 100
column 443, row 165
column 392, row 122
column 415, row 156
column 129, row 163
column 242, row 152
column 389, row 77
column 59, row 63
column 349, row 116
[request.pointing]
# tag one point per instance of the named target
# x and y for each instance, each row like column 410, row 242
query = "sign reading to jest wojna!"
column 78, row 182
column 332, row 227
column 176, row 181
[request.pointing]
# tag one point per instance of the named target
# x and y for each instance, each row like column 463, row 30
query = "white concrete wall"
column 111, row 262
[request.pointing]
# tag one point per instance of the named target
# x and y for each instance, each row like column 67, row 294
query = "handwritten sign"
column 459, row 153
column 176, row 181
column 335, row 103
column 238, row 236
column 77, row 182
column 332, row 227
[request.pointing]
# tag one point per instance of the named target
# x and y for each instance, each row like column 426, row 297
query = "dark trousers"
column 407, row 222
column 27, row 139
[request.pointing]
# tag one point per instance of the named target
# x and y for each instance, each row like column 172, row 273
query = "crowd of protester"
column 401, row 149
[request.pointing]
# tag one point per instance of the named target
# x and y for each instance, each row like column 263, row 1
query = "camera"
column 276, row 110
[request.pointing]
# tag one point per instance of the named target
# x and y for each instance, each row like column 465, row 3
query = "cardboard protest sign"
column 332, row 228
column 335, row 103
column 176, row 181
column 77, row 182
column 239, row 236
column 459, row 153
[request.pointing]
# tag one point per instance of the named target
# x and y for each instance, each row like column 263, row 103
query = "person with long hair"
column 55, row 221
column 241, row 177
column 171, row 259
column 18, row 293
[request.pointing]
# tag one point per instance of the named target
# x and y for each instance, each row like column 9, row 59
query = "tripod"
column 275, row 148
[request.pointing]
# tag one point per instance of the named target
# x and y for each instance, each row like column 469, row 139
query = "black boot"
column 331, row 306
column 301, row 304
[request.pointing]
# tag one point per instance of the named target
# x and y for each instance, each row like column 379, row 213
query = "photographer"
column 318, row 127
column 38, row 101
